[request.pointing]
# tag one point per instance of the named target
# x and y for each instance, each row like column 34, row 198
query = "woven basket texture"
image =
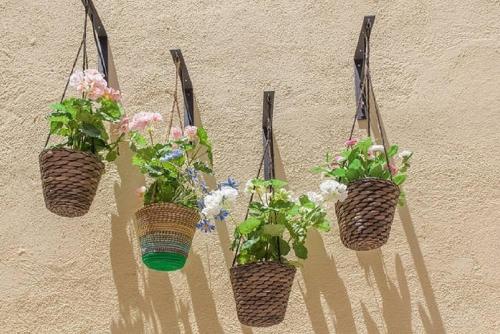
column 261, row 292
column 365, row 217
column 69, row 180
column 166, row 228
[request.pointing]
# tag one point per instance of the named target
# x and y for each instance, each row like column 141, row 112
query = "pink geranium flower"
column 112, row 94
column 176, row 133
column 191, row 132
column 351, row 142
column 143, row 119
column 393, row 168
column 89, row 82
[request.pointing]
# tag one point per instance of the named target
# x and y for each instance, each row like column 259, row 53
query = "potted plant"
column 176, row 200
column 70, row 171
column 369, row 177
column 275, row 225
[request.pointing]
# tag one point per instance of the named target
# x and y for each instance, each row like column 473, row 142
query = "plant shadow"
column 394, row 302
column 322, row 280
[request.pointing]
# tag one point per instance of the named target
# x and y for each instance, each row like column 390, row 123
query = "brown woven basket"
column 261, row 292
column 69, row 179
column 365, row 217
column 165, row 233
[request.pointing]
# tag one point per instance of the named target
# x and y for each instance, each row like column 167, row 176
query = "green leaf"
column 249, row 225
column 300, row 250
column 364, row 145
column 339, row 172
column 284, row 247
column 90, row 130
column 323, row 225
column 202, row 167
column 355, row 164
column 399, row 179
column 393, row 150
column 111, row 156
column 318, row 170
column 203, row 137
column 110, row 110
column 273, row 229
column 277, row 184
column 376, row 170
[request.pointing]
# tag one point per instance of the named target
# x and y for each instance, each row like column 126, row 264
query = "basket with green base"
column 165, row 233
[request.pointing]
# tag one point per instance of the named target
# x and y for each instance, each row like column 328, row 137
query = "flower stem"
column 151, row 136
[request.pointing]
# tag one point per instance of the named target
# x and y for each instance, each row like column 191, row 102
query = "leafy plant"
column 173, row 165
column 362, row 159
column 277, row 224
column 81, row 121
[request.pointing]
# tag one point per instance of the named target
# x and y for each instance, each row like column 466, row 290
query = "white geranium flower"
column 405, row 154
column 376, row 148
column 329, row 187
column 229, row 193
column 342, row 191
column 332, row 189
column 315, row 197
column 266, row 198
column 213, row 203
column 249, row 187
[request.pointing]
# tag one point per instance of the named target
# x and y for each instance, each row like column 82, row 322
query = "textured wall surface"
column 436, row 73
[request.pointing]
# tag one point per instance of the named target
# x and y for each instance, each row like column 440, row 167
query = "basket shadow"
column 321, row 279
column 202, row 299
column 396, row 299
column 195, row 269
column 431, row 318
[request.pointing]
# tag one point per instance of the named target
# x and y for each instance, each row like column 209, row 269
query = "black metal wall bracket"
column 187, row 87
column 267, row 131
column 101, row 38
column 359, row 66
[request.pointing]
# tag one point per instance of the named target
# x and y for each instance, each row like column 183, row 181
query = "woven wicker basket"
column 165, row 233
column 69, row 179
column 261, row 292
column 365, row 217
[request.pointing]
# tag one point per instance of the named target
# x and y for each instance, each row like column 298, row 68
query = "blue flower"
column 230, row 182
column 192, row 173
column 205, row 226
column 201, row 204
column 203, row 186
column 223, row 214
column 175, row 154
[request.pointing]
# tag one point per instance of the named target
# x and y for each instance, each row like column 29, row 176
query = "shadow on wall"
column 327, row 284
column 396, row 303
column 154, row 303
column 225, row 243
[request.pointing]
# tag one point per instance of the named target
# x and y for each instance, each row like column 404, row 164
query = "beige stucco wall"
column 435, row 66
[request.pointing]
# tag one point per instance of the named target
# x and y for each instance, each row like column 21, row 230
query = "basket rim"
column 90, row 154
column 167, row 205
column 373, row 179
column 260, row 263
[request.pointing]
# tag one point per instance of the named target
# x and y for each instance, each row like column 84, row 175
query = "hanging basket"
column 69, row 179
column 165, row 233
column 261, row 292
column 365, row 217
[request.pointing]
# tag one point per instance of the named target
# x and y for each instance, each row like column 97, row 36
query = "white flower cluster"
column 330, row 190
column 217, row 199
